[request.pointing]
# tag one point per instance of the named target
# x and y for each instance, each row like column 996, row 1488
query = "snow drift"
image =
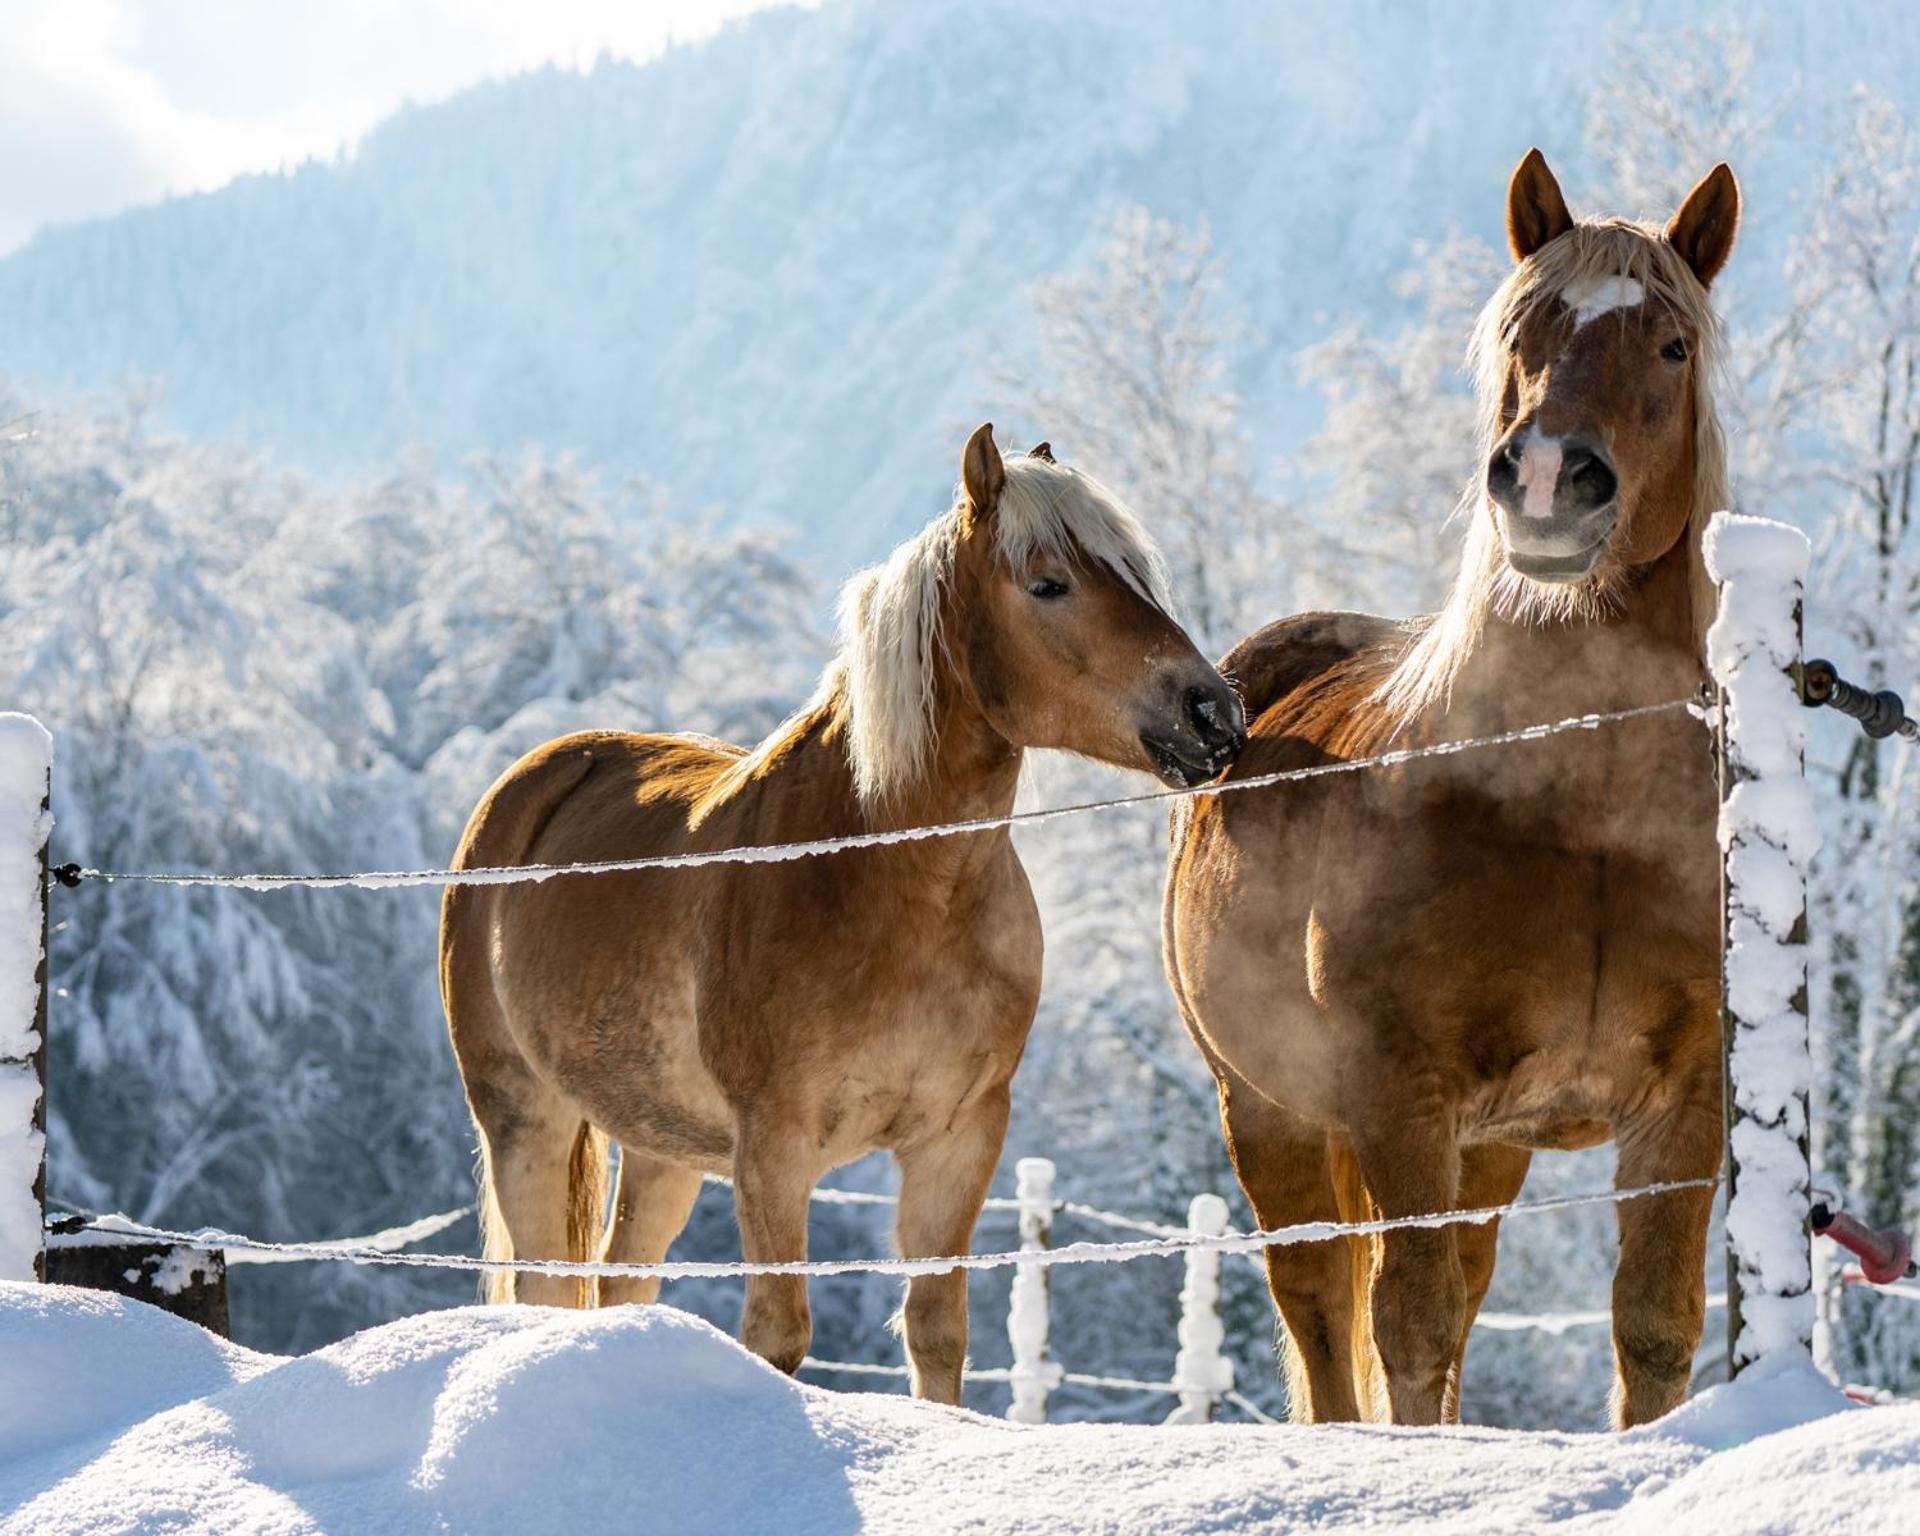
column 116, row 1416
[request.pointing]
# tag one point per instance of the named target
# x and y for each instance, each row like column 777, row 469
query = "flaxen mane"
column 1583, row 259
column 881, row 680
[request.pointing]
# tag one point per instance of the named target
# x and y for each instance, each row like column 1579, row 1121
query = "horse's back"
column 636, row 770
column 1279, row 658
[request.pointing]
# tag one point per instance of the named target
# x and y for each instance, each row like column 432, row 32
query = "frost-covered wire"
column 389, row 1240
column 1072, row 1253
column 774, row 853
column 1903, row 1291
column 1113, row 1219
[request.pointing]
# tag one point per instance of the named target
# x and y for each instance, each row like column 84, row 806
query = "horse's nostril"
column 1586, row 471
column 1212, row 718
column 1596, row 482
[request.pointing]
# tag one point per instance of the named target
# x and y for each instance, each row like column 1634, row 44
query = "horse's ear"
column 981, row 471
column 1041, row 451
column 1536, row 212
column 1703, row 230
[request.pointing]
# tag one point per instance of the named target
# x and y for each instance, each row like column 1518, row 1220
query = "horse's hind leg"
column 544, row 1175
column 651, row 1203
column 1283, row 1166
column 943, row 1183
column 1490, row 1174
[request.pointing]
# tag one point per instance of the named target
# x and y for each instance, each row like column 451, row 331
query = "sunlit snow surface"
column 116, row 1417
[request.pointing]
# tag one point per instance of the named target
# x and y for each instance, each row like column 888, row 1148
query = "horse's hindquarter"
column 593, row 973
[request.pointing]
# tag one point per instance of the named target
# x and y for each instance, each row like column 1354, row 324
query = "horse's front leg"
column 1409, row 1158
column 943, row 1183
column 1659, row 1284
column 772, row 1185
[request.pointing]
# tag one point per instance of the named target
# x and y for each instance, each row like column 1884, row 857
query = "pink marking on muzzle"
column 1539, row 474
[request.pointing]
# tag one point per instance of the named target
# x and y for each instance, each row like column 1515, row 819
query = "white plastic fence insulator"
column 1768, row 836
column 1033, row 1376
column 26, row 770
column 1202, row 1373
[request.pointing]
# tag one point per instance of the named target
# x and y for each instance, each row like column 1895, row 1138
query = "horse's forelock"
column 1048, row 510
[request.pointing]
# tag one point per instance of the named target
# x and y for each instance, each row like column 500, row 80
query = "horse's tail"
column 586, row 1206
column 1356, row 1204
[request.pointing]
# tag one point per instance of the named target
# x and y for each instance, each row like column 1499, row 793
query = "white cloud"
column 106, row 103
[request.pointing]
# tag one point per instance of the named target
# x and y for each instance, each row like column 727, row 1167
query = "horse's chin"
column 1556, row 570
column 1177, row 770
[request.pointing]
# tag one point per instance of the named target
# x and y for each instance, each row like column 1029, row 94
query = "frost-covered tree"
column 1856, row 291
column 1130, row 383
column 1668, row 106
column 245, row 673
column 1395, row 450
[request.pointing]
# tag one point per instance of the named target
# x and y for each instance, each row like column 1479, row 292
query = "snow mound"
column 115, row 1416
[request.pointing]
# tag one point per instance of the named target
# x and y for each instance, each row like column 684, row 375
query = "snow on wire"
column 1072, row 1253
column 775, row 853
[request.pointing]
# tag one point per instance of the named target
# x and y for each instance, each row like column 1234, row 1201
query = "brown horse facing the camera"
column 1406, row 980
column 772, row 1021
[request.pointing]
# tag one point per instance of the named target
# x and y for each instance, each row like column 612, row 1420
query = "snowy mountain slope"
column 649, row 1419
column 773, row 272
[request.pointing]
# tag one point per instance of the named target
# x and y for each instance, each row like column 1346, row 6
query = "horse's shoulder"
column 1279, row 658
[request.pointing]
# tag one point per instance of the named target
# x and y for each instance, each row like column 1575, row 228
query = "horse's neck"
column 1645, row 651
column 970, row 773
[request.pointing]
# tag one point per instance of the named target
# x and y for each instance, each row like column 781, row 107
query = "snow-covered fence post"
column 1033, row 1375
column 1767, row 841
column 26, row 771
column 1201, row 1372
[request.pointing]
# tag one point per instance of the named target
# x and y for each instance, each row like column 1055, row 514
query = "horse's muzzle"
column 1211, row 730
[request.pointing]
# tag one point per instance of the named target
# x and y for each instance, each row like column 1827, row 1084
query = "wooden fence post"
column 26, row 773
column 1768, row 836
column 1201, row 1371
column 1033, row 1375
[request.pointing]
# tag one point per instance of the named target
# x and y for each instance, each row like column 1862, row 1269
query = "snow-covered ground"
column 114, row 1416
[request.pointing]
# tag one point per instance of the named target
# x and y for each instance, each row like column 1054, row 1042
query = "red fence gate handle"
column 1884, row 1256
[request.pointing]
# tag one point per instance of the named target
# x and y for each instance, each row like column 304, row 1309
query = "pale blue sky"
column 108, row 103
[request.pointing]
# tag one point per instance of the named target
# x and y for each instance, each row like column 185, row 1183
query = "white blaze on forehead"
column 1539, row 474
column 1597, row 296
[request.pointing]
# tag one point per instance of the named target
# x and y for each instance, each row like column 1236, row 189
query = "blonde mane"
column 1486, row 586
column 891, row 616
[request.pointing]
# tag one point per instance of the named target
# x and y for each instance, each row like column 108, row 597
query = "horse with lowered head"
column 772, row 1021
column 1407, row 980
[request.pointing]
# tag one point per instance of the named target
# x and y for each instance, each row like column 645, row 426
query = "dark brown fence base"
column 188, row 1282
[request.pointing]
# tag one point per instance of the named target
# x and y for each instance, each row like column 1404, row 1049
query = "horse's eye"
column 1047, row 587
column 1675, row 351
